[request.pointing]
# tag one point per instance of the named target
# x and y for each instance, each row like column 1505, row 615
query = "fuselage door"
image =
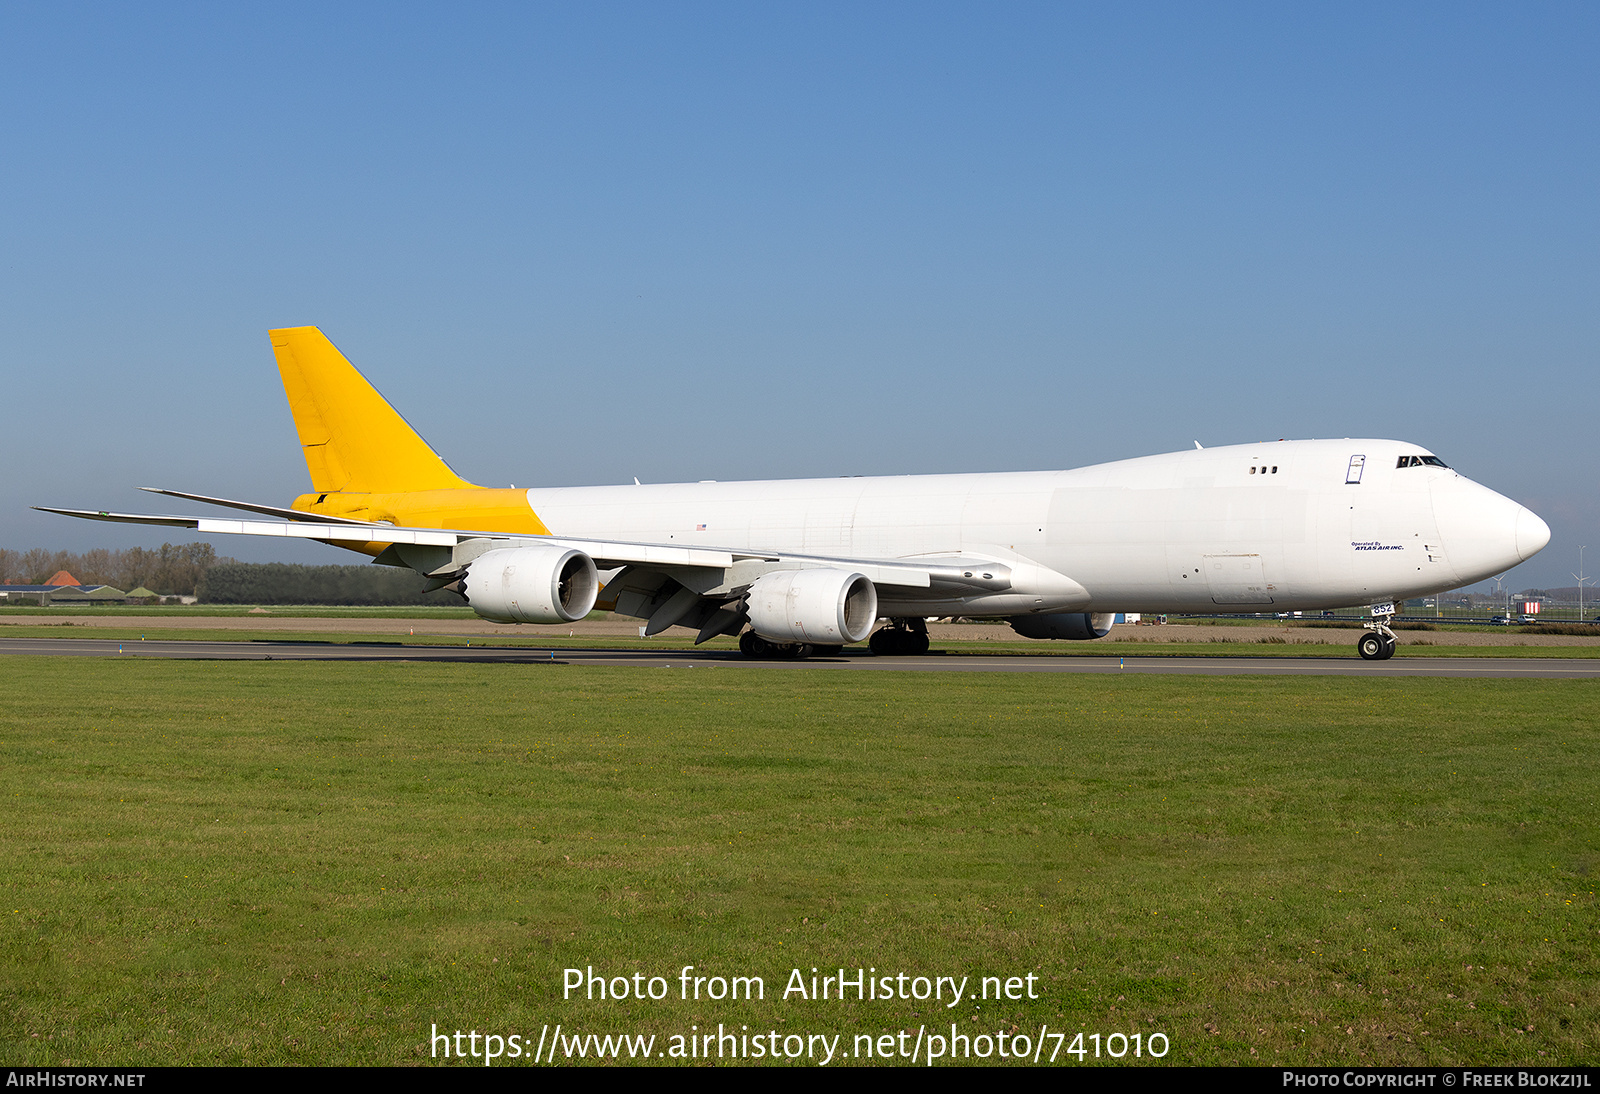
column 1353, row 474
column 1237, row 579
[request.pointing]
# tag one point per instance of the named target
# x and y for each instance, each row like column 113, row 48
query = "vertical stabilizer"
column 353, row 440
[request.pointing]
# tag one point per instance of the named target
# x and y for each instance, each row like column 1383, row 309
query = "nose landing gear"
column 1379, row 642
column 1376, row 647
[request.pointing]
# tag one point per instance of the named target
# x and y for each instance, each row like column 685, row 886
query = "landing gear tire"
column 1375, row 647
column 900, row 639
column 754, row 646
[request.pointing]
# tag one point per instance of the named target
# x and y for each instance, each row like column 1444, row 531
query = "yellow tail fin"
column 353, row 440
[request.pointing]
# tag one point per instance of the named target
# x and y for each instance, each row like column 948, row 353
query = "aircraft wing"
column 973, row 573
column 365, row 532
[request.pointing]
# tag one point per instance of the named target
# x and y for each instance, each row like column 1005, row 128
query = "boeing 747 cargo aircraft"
column 805, row 565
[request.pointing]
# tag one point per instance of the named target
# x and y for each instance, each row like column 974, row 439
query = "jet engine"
column 1075, row 625
column 531, row 585
column 821, row 607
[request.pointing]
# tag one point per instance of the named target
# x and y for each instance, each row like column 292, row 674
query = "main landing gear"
column 902, row 637
column 754, row 646
column 897, row 638
column 1379, row 641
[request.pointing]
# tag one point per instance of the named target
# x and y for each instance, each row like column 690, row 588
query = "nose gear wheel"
column 1379, row 642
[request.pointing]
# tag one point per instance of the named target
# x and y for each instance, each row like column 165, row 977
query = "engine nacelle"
column 821, row 607
column 531, row 585
column 1075, row 625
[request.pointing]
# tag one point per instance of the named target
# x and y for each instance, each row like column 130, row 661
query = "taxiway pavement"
column 1474, row 667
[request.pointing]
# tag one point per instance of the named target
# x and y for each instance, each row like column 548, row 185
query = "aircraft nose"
column 1532, row 533
column 1484, row 533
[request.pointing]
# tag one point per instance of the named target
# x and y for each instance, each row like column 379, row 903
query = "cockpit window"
column 1421, row 461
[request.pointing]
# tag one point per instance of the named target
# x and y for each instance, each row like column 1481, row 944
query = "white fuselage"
column 1281, row 525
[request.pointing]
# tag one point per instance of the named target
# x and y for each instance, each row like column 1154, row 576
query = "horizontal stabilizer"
column 255, row 507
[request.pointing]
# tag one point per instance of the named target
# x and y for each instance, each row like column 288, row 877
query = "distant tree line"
column 284, row 583
column 194, row 569
column 174, row 570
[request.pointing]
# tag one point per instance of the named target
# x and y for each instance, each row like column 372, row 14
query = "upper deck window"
column 1421, row 461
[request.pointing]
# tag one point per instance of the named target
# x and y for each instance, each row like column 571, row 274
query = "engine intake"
column 822, row 607
column 532, row 585
column 1074, row 625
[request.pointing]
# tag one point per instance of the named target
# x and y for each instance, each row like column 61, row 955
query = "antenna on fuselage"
column 1199, row 446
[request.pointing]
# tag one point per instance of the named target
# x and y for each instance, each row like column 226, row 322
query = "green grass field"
column 275, row 863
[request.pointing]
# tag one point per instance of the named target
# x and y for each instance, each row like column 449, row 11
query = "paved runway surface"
column 1480, row 667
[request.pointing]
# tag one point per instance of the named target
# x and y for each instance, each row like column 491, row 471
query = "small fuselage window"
column 1421, row 461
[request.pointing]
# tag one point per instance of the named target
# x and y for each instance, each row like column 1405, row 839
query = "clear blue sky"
column 578, row 243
